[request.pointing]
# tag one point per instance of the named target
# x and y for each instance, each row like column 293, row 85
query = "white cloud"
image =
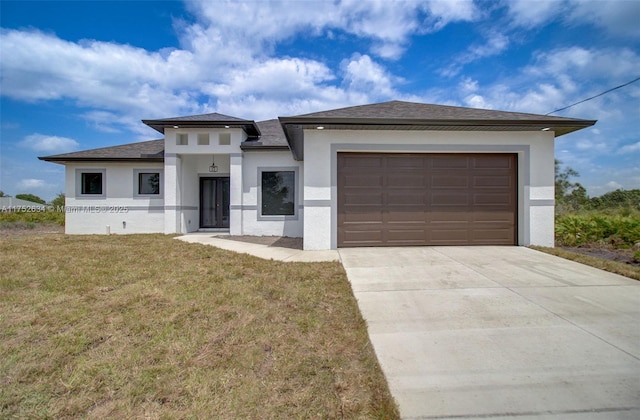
column 222, row 58
column 618, row 17
column 530, row 14
column 496, row 43
column 49, row 144
column 32, row 184
column 364, row 75
column 630, row 148
column 613, row 185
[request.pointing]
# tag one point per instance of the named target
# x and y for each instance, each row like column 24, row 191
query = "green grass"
column 144, row 326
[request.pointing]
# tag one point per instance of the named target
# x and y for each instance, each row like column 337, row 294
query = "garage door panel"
column 491, row 162
column 363, row 237
column 359, row 217
column 406, row 216
column 492, row 181
column 450, row 216
column 374, row 198
column 444, row 181
column 409, row 162
column 356, row 181
column 451, row 236
column 406, row 181
column 504, row 217
column 448, row 162
column 406, row 197
column 492, row 199
column 364, row 161
column 491, row 236
column 449, row 199
column 426, row 199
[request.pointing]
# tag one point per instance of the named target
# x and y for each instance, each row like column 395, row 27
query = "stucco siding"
column 119, row 210
column 252, row 222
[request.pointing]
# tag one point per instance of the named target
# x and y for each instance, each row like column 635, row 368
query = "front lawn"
column 146, row 326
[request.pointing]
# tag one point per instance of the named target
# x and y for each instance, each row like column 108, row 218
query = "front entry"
column 214, row 202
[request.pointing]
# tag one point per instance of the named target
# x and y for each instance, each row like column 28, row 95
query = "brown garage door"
column 426, row 199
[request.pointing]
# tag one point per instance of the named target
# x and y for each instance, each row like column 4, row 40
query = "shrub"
column 620, row 229
column 50, row 216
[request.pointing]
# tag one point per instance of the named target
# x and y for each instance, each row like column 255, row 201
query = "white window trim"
column 296, row 192
column 136, row 185
column 79, row 172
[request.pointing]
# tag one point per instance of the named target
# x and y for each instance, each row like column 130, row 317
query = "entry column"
column 235, row 194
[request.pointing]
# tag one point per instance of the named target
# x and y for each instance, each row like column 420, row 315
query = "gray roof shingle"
column 400, row 110
column 150, row 151
column 272, row 136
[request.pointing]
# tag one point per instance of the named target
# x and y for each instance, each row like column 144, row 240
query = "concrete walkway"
column 262, row 251
column 500, row 332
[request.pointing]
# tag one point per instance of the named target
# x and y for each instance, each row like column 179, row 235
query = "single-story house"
column 387, row 174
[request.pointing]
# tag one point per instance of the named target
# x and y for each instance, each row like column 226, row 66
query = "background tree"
column 2, row 194
column 564, row 185
column 58, row 201
column 31, row 197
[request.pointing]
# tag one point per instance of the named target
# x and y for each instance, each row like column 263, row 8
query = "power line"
column 593, row 97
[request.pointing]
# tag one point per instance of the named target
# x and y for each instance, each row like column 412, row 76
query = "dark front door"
column 214, row 202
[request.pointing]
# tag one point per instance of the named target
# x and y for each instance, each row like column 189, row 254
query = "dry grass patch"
column 616, row 267
column 147, row 326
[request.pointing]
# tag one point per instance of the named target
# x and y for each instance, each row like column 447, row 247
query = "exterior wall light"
column 213, row 167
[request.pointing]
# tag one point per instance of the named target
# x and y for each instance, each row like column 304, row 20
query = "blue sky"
column 82, row 74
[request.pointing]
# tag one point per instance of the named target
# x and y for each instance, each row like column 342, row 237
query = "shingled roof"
column 205, row 120
column 146, row 151
column 400, row 115
column 288, row 132
column 272, row 137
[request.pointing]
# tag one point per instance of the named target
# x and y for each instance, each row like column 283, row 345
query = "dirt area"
column 275, row 241
column 24, row 229
column 620, row 255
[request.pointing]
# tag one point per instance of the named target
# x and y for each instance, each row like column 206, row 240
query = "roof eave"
column 263, row 147
column 377, row 122
column 56, row 159
column 250, row 127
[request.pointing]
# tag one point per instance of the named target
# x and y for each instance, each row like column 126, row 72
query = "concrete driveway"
column 500, row 332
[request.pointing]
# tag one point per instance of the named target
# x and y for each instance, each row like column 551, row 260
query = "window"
column 148, row 183
column 278, row 193
column 91, row 183
column 182, row 139
column 224, row 139
column 203, row 139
